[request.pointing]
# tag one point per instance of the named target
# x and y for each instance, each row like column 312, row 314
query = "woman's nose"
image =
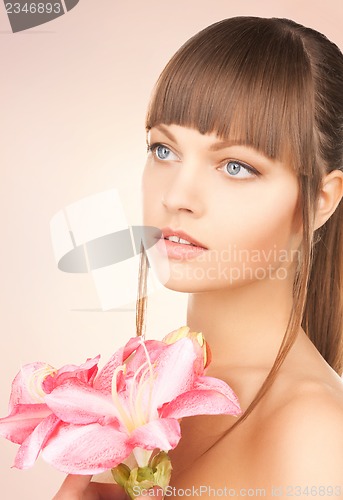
column 185, row 191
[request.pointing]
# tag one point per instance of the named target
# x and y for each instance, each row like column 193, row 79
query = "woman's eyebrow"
column 216, row 146
column 166, row 132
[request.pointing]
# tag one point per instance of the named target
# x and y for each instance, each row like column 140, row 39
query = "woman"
column 245, row 155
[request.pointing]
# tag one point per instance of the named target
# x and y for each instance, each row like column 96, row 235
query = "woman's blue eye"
column 238, row 169
column 162, row 152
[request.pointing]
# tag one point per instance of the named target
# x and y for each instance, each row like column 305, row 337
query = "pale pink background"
column 73, row 98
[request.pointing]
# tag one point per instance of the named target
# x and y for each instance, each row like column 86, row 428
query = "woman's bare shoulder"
column 301, row 440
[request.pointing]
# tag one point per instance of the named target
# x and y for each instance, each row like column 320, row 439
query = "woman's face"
column 238, row 205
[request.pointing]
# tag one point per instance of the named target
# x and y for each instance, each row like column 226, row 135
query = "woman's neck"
column 244, row 326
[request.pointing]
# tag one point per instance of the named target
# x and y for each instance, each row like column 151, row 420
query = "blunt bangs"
column 247, row 79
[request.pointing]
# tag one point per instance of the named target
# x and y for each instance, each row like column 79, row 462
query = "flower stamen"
column 151, row 381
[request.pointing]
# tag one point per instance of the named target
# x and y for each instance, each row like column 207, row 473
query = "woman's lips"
column 167, row 231
column 179, row 251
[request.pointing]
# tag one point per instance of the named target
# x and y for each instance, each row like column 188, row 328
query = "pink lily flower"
column 132, row 407
column 142, row 393
column 30, row 421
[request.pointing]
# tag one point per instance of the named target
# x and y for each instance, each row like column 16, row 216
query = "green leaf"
column 162, row 467
column 121, row 474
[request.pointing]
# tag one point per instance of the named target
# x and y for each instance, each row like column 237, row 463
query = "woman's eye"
column 162, row 152
column 238, row 169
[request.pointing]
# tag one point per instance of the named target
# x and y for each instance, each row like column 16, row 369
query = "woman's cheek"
column 150, row 195
column 253, row 237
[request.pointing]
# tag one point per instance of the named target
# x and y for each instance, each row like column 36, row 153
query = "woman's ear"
column 330, row 195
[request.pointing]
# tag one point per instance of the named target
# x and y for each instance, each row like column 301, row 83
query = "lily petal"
column 29, row 450
column 103, row 381
column 86, row 449
column 21, row 393
column 219, row 385
column 200, row 345
column 153, row 347
column 174, row 369
column 22, row 420
column 163, row 434
column 131, row 346
column 85, row 372
column 76, row 402
column 199, row 402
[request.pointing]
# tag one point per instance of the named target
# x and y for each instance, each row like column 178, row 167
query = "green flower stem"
column 157, row 473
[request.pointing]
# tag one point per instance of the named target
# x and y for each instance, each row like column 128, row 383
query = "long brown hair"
column 277, row 86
